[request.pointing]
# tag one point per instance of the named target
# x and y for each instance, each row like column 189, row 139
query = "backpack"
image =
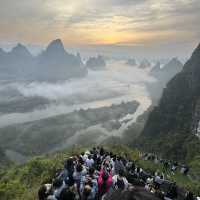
column 120, row 184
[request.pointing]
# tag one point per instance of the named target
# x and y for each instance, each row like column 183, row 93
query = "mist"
column 117, row 83
column 61, row 97
column 83, row 102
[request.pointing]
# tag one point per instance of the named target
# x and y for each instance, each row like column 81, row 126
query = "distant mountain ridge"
column 96, row 63
column 172, row 127
column 20, row 50
column 167, row 72
column 163, row 75
column 144, row 64
column 54, row 63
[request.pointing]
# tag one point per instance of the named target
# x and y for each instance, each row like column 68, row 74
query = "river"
column 118, row 82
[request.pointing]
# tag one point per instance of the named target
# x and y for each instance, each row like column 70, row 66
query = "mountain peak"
column 156, row 66
column 19, row 46
column 56, row 45
column 173, row 63
column 175, row 59
column 144, row 64
column 2, row 51
column 196, row 51
column 20, row 49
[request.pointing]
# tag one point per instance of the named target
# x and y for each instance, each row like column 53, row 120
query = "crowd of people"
column 168, row 165
column 101, row 175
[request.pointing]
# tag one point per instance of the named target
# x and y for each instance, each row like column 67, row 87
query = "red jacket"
column 108, row 182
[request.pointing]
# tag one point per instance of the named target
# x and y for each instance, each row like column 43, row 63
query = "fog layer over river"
column 118, row 82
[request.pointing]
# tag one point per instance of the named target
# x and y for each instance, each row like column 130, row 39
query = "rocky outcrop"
column 195, row 126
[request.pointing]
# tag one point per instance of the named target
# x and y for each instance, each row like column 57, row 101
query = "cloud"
column 100, row 22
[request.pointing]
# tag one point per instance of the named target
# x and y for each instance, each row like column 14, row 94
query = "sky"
column 136, row 27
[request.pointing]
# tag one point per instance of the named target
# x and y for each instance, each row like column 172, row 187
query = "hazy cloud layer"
column 105, row 22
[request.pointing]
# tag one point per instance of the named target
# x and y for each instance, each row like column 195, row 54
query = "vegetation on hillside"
column 42, row 136
column 169, row 130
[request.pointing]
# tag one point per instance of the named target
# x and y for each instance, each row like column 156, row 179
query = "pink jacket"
column 108, row 182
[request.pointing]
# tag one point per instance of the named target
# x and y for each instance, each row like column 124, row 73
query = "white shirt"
column 85, row 157
column 158, row 180
column 89, row 162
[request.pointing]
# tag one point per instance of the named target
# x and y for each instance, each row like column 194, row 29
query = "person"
column 137, row 172
column 158, row 180
column 118, row 165
column 82, row 155
column 98, row 163
column 165, row 166
column 133, row 175
column 132, row 194
column 67, row 194
column 86, row 193
column 130, row 165
column 102, row 151
column 58, row 186
column 78, row 176
column 44, row 191
column 89, row 180
column 80, row 160
column 94, row 151
column 104, row 182
column 89, row 161
column 189, row 196
column 172, row 193
column 93, row 173
column 120, row 181
column 88, row 188
column 149, row 185
column 67, row 173
column 93, row 177
column 174, row 167
column 184, row 170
